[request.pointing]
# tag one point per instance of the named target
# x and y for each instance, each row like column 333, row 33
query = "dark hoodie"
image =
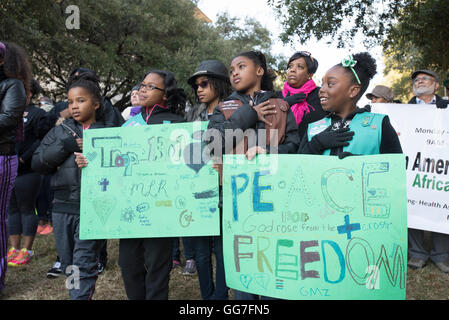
column 245, row 117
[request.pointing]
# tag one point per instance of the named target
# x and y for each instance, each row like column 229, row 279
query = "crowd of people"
column 41, row 154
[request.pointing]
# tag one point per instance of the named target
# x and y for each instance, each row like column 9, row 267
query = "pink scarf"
column 301, row 108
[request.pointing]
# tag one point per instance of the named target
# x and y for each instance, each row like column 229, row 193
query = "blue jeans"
column 73, row 251
column 440, row 246
column 203, row 260
column 189, row 251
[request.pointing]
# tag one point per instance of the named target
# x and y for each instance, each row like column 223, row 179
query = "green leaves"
column 413, row 33
column 122, row 40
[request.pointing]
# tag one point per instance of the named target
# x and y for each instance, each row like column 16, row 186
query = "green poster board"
column 148, row 181
column 316, row 227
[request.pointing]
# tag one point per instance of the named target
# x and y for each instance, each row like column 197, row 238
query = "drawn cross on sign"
column 104, row 183
column 348, row 228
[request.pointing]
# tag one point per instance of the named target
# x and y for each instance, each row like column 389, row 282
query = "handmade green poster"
column 316, row 227
column 148, row 181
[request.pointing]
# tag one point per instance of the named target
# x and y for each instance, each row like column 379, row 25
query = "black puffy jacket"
column 246, row 117
column 55, row 155
column 35, row 128
column 12, row 105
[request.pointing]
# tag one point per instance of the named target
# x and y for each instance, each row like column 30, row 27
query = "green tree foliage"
column 413, row 33
column 341, row 20
column 122, row 39
column 419, row 40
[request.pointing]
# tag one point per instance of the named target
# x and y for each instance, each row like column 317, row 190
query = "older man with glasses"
column 425, row 84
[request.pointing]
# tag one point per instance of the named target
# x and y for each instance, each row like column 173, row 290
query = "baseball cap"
column 429, row 72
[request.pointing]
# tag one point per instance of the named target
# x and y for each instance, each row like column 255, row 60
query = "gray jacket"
column 197, row 112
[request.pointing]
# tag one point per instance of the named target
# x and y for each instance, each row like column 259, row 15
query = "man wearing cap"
column 425, row 84
column 381, row 94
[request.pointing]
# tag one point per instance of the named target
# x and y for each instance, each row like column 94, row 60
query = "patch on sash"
column 318, row 128
column 367, row 120
column 231, row 104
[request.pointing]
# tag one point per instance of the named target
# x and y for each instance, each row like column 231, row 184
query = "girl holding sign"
column 347, row 129
column 211, row 85
column 57, row 154
column 254, row 106
column 146, row 262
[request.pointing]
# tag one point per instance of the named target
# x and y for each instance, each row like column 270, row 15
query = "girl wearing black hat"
column 211, row 85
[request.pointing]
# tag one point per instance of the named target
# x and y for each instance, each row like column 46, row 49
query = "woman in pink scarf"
column 301, row 92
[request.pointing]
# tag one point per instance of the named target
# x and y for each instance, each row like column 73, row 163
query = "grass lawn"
column 30, row 282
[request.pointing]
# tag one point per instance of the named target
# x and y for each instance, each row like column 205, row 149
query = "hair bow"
column 349, row 62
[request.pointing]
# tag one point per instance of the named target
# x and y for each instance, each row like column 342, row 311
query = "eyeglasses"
column 150, row 87
column 203, row 84
column 424, row 78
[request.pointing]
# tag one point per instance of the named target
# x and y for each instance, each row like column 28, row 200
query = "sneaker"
column 12, row 254
column 190, row 268
column 48, row 229
column 443, row 266
column 23, row 257
column 55, row 271
column 416, row 263
column 176, row 264
column 40, row 228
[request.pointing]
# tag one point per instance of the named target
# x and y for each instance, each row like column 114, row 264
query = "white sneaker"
column 55, row 271
column 190, row 268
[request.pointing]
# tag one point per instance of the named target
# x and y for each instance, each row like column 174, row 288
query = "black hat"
column 211, row 68
column 429, row 72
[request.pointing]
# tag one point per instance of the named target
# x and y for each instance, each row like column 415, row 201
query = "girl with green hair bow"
column 348, row 129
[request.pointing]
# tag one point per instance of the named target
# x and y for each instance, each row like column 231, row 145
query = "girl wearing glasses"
column 161, row 100
column 300, row 91
column 146, row 262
